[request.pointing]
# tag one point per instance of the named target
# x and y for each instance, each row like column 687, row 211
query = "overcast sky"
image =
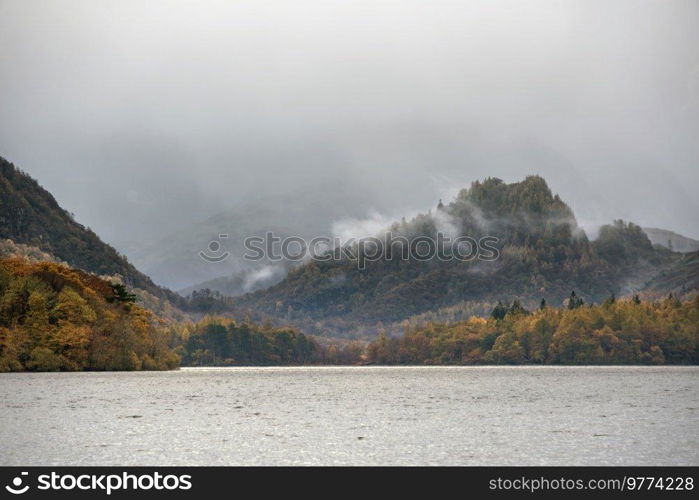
column 145, row 117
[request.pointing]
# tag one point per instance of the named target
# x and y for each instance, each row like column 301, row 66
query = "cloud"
column 173, row 111
column 358, row 228
column 256, row 278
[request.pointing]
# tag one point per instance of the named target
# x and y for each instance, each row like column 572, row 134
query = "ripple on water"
column 359, row 415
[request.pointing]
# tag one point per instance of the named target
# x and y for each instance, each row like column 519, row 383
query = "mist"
column 145, row 118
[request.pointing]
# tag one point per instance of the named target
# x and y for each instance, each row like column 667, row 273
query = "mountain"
column 527, row 244
column 680, row 279
column 30, row 216
column 241, row 282
column 542, row 254
column 671, row 240
column 175, row 260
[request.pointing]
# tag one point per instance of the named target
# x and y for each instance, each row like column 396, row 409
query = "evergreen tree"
column 121, row 294
column 574, row 301
column 500, row 311
column 517, row 308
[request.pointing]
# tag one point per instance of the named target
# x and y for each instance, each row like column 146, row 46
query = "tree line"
column 56, row 318
column 615, row 332
column 219, row 341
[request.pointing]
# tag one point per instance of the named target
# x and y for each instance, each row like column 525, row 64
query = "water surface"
column 355, row 415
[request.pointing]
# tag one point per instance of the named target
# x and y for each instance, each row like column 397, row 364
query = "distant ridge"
column 680, row 278
column 671, row 240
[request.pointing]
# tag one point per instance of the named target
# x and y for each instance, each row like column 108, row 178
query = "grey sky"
column 146, row 117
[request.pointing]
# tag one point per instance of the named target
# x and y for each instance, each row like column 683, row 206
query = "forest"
column 615, row 332
column 56, row 318
column 218, row 341
column 628, row 331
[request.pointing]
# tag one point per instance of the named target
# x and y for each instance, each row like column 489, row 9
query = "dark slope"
column 30, row 215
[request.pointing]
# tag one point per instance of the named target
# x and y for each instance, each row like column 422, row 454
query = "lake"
column 353, row 416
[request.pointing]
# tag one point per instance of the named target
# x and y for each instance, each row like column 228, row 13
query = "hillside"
column 30, row 215
column 543, row 254
column 671, row 240
column 55, row 318
column 681, row 278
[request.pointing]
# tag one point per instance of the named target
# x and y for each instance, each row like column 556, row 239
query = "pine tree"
column 499, row 312
column 121, row 294
column 516, row 308
column 574, row 301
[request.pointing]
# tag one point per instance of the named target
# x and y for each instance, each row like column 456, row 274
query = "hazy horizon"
column 145, row 118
